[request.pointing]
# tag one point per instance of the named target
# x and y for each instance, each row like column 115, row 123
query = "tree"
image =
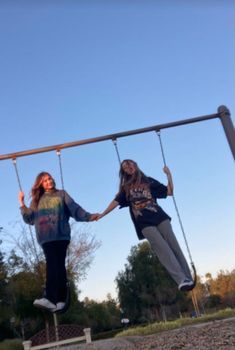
column 103, row 316
column 3, row 278
column 80, row 254
column 145, row 289
column 25, row 271
column 4, row 300
column 81, row 251
column 222, row 287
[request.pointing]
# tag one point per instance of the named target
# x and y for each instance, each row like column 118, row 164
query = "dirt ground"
column 217, row 335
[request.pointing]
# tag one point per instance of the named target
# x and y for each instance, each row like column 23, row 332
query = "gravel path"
column 217, row 335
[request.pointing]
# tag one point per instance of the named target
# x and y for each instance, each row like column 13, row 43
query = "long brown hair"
column 37, row 189
column 126, row 181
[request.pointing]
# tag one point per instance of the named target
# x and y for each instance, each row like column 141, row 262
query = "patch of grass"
column 181, row 322
column 106, row 335
column 11, row 344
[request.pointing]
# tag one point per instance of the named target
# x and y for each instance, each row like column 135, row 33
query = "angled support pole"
column 225, row 118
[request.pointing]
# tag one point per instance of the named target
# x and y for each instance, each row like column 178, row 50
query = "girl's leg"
column 167, row 233
column 50, row 253
column 61, row 275
column 164, row 253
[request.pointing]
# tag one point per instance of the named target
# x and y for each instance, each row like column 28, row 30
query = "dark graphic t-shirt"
column 142, row 203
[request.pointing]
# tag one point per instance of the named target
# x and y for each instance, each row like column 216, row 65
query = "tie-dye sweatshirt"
column 51, row 219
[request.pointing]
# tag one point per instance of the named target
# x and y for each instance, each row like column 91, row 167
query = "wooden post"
column 27, row 344
column 56, row 326
column 195, row 303
column 87, row 332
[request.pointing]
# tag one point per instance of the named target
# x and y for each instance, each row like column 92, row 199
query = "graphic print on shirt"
column 141, row 198
column 49, row 210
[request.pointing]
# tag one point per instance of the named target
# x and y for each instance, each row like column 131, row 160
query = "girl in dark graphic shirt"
column 140, row 192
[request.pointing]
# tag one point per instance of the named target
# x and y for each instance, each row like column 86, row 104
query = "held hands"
column 95, row 217
column 110, row 207
column 21, row 198
column 99, row 216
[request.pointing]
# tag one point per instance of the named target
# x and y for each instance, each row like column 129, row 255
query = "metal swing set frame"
column 223, row 114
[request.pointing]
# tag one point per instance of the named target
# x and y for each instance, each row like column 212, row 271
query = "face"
column 48, row 183
column 129, row 167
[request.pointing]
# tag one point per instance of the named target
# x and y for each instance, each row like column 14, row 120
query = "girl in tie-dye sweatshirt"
column 49, row 212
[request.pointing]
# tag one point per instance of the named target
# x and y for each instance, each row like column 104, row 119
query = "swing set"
column 222, row 113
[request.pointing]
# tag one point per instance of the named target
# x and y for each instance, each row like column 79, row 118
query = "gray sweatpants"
column 165, row 245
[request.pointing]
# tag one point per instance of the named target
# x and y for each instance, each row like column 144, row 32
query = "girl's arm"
column 75, row 210
column 170, row 186
column 27, row 213
column 21, row 199
column 109, row 208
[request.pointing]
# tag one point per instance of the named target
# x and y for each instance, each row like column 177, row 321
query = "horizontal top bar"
column 107, row 137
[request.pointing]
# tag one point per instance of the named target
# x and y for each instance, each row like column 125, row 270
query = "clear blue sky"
column 71, row 70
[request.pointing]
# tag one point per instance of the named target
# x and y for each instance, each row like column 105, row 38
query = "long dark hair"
column 127, row 181
column 37, row 189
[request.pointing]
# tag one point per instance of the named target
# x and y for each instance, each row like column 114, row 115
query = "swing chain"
column 116, row 148
column 58, row 152
column 161, row 146
column 17, row 173
column 175, row 204
column 29, row 227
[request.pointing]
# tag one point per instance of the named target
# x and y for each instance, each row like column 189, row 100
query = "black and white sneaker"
column 44, row 304
column 60, row 306
column 186, row 285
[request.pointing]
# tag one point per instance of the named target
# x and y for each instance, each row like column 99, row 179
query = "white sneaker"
column 60, row 306
column 186, row 285
column 44, row 304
